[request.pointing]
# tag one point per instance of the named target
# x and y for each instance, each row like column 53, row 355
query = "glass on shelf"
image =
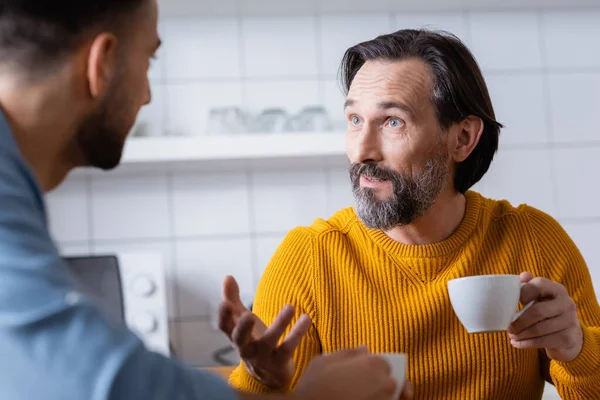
column 232, row 120
column 311, row 119
column 226, row 120
column 269, row 120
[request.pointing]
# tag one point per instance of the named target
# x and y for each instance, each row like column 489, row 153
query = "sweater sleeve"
column 562, row 262
column 288, row 279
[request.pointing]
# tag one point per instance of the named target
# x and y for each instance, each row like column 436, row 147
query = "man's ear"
column 465, row 137
column 102, row 63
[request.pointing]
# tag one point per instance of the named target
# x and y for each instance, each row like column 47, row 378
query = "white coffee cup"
column 398, row 363
column 486, row 303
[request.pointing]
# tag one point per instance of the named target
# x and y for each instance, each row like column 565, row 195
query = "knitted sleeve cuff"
column 243, row 381
column 585, row 365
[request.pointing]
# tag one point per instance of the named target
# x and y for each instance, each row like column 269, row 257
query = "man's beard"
column 411, row 197
column 101, row 136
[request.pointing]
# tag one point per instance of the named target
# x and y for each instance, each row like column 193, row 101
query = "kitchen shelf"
column 187, row 8
column 229, row 152
column 152, row 150
column 234, row 152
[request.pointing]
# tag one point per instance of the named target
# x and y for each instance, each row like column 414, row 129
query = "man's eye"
column 395, row 123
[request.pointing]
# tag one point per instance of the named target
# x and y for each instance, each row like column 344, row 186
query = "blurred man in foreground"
column 73, row 76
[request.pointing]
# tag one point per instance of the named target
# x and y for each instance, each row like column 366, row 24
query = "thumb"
column 407, row 391
column 526, row 277
column 231, row 293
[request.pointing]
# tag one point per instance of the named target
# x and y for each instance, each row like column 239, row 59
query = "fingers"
column 231, row 293
column 555, row 340
column 540, row 289
column 526, row 277
column 375, row 362
column 242, row 334
column 231, row 290
column 381, row 367
column 226, row 319
column 407, row 391
column 278, row 327
column 543, row 328
column 537, row 313
column 389, row 386
column 385, row 366
column 247, row 334
column 293, row 339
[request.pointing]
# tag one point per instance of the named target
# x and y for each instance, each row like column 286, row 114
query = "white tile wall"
column 201, row 267
column 575, row 101
column 577, row 178
column 183, row 8
column 520, row 104
column 276, row 7
column 211, row 204
column 506, row 40
column 68, row 211
column 130, row 207
column 568, row 44
column 339, row 32
column 202, row 48
column 544, row 79
column 522, row 176
column 276, row 47
column 456, row 23
column 284, row 200
column 292, row 96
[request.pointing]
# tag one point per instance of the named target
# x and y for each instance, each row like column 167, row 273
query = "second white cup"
column 398, row 363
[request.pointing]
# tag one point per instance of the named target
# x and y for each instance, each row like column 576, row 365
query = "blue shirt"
column 56, row 346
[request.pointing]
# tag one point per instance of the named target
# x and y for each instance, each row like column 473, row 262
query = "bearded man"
column 421, row 132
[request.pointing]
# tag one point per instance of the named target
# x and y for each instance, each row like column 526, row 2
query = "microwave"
column 128, row 288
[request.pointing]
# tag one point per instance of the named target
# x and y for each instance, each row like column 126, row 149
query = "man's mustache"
column 373, row 171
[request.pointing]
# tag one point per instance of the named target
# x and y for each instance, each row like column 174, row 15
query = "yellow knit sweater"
column 360, row 287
